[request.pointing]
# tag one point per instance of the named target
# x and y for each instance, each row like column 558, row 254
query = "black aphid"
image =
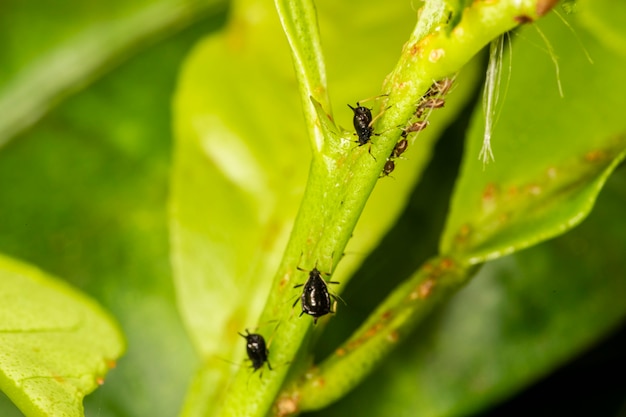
column 257, row 350
column 362, row 122
column 315, row 298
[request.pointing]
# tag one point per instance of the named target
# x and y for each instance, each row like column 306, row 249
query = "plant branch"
column 341, row 178
column 299, row 21
column 407, row 306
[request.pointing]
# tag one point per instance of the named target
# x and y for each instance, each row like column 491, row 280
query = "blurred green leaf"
column 57, row 344
column 84, row 196
column 236, row 184
column 237, row 177
column 604, row 18
column 50, row 50
column 552, row 154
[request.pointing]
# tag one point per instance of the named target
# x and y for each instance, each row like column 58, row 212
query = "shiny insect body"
column 362, row 122
column 257, row 350
column 316, row 300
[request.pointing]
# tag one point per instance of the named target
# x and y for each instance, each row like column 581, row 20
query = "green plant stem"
column 407, row 306
column 341, row 178
column 299, row 21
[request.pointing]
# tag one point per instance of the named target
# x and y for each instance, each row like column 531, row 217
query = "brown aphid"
column 400, row 147
column 440, row 87
column 415, row 127
column 388, row 168
column 433, row 103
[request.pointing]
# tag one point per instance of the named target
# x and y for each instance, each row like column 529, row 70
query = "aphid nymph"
column 362, row 122
column 400, row 147
column 433, row 103
column 315, row 298
column 256, row 349
column 415, row 127
column 388, row 168
column 440, row 87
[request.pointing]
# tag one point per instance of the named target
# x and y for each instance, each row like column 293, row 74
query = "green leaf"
column 552, row 154
column 237, row 176
column 53, row 50
column 236, row 186
column 84, row 196
column 57, row 344
column 603, row 18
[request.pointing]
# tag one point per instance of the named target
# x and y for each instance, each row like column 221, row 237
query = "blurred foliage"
column 509, row 205
column 57, row 345
column 84, row 197
column 50, row 50
column 84, row 189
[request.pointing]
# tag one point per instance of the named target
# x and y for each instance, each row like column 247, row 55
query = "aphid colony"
column 316, row 300
column 433, row 99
